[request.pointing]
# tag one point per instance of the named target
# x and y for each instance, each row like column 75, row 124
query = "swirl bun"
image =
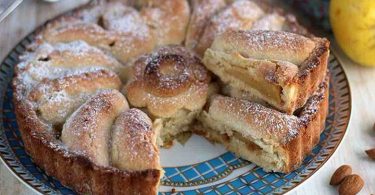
column 171, row 84
column 172, row 77
column 175, row 81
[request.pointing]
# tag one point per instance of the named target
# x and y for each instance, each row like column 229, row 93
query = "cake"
column 280, row 68
column 274, row 140
column 104, row 86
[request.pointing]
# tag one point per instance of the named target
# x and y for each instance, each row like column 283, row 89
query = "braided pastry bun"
column 106, row 131
column 87, row 131
column 121, row 29
column 58, row 98
column 53, row 60
column 134, row 142
column 114, row 27
column 61, row 77
column 66, row 95
column 171, row 84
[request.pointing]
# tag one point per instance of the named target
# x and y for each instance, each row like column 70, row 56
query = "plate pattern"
column 206, row 177
column 204, row 172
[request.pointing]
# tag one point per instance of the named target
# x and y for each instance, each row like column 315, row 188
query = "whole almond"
column 351, row 185
column 371, row 153
column 340, row 174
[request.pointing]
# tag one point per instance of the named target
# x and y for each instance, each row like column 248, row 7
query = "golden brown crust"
column 87, row 130
column 101, row 24
column 57, row 98
column 291, row 137
column 247, row 15
column 73, row 84
column 66, row 55
column 72, row 169
column 265, row 44
column 47, row 61
column 239, row 15
column 312, row 119
column 125, row 34
column 281, row 68
column 168, row 80
column 134, row 142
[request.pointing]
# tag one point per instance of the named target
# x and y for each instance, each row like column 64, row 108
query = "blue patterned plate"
column 198, row 166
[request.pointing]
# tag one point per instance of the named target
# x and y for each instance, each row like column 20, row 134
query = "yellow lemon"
column 353, row 24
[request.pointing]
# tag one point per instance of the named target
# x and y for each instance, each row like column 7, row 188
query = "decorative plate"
column 198, row 167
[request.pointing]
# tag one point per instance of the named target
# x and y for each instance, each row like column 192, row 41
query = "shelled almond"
column 340, row 174
column 371, row 153
column 349, row 184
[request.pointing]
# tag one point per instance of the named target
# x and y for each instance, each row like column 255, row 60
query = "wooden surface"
column 360, row 135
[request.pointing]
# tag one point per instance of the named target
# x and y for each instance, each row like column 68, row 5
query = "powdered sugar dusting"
column 88, row 129
column 54, row 61
column 76, row 47
column 274, row 22
column 185, row 80
column 262, row 39
column 140, row 133
column 121, row 27
column 266, row 45
column 240, row 15
column 126, row 20
column 267, row 122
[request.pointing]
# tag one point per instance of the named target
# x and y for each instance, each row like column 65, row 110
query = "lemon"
column 353, row 24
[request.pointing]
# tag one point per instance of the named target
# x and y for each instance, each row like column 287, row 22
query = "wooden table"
column 359, row 137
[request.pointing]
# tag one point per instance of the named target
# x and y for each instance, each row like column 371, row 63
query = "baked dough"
column 280, row 68
column 167, row 18
column 114, row 27
column 133, row 143
column 79, row 128
column 273, row 140
column 87, row 130
column 202, row 11
column 172, row 85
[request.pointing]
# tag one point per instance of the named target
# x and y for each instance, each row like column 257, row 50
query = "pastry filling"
column 246, row 76
column 271, row 91
column 249, row 148
column 175, row 127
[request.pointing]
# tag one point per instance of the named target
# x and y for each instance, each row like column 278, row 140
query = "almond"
column 351, row 185
column 371, row 153
column 340, row 174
